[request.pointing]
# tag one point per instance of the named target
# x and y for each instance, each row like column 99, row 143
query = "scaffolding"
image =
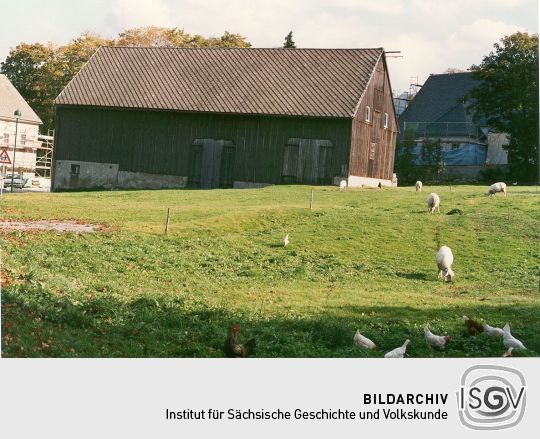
column 44, row 155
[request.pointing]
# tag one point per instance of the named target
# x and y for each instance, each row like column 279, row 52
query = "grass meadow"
column 363, row 259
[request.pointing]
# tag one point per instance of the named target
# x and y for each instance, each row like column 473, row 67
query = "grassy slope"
column 362, row 259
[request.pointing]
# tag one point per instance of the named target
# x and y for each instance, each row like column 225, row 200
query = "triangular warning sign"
column 4, row 158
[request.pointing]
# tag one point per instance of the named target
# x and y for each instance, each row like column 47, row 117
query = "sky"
column 432, row 35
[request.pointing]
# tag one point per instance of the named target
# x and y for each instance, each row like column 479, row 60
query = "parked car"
column 18, row 181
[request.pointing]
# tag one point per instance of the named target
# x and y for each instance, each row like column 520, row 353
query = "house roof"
column 293, row 82
column 438, row 99
column 11, row 100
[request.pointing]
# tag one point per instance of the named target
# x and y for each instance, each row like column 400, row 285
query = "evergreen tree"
column 289, row 43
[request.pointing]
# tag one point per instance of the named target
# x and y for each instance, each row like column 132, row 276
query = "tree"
column 25, row 68
column 454, row 70
column 507, row 96
column 289, row 43
column 40, row 72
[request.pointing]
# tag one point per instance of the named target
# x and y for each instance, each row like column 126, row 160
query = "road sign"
column 4, row 158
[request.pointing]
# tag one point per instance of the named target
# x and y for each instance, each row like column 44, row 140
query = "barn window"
column 23, row 139
column 6, row 138
column 455, row 146
column 386, row 120
column 75, row 169
column 368, row 113
column 372, row 148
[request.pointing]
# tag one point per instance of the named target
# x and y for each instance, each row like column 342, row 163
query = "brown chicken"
column 473, row 327
column 233, row 349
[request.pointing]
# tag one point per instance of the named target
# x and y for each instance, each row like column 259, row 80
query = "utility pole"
column 17, row 114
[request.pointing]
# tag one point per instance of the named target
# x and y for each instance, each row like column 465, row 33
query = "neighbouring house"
column 27, row 132
column 207, row 118
column 437, row 115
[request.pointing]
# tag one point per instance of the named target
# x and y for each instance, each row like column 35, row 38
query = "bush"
column 491, row 174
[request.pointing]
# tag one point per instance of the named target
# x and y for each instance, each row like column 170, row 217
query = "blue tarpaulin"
column 466, row 154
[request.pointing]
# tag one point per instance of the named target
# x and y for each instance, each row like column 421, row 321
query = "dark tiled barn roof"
column 438, row 99
column 294, row 82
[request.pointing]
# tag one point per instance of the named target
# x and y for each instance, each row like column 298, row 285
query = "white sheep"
column 342, row 185
column 444, row 259
column 418, row 186
column 433, row 203
column 496, row 187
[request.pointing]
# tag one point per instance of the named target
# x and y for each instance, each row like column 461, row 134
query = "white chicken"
column 398, row 352
column 490, row 330
column 286, row 240
column 437, row 341
column 362, row 342
column 509, row 341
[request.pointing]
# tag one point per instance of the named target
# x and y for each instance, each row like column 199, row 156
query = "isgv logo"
column 491, row 397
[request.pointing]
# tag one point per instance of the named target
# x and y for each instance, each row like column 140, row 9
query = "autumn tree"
column 289, row 43
column 40, row 72
column 507, row 96
column 25, row 68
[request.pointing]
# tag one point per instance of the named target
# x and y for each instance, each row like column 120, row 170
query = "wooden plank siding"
column 372, row 139
column 159, row 142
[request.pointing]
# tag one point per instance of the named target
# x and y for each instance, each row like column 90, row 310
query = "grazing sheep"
column 496, row 187
column 343, row 185
column 433, row 203
column 418, row 186
column 444, row 259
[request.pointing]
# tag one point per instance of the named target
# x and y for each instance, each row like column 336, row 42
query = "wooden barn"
column 207, row 118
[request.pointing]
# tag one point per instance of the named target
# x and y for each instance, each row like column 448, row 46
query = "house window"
column 386, row 120
column 368, row 114
column 75, row 169
column 23, row 139
column 6, row 138
column 455, row 146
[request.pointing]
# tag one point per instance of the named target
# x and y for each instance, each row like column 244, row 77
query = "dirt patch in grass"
column 55, row 226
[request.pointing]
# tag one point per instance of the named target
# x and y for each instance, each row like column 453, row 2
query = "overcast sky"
column 431, row 34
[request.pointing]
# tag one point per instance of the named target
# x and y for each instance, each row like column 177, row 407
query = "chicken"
column 398, row 352
column 363, row 342
column 286, row 240
column 233, row 349
column 473, row 327
column 437, row 341
column 490, row 330
column 509, row 341
column 508, row 353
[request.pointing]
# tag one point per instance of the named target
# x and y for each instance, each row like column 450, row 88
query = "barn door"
column 374, row 149
column 195, row 162
column 289, row 172
column 307, row 161
column 226, row 174
column 210, row 158
column 325, row 163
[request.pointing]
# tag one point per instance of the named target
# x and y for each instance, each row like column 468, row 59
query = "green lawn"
column 361, row 259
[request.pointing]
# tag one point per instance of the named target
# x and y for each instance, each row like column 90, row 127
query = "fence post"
column 167, row 221
column 311, row 200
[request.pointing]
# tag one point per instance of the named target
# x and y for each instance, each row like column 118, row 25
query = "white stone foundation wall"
column 107, row 176
column 354, row 181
